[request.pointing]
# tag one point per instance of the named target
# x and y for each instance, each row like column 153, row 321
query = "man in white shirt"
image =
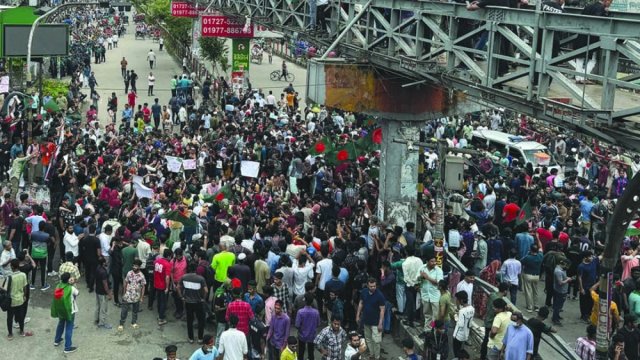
column 581, row 167
column 411, row 270
column 323, row 271
column 105, row 242
column 7, row 255
column 233, row 342
column 271, row 101
column 71, row 241
column 466, row 284
column 354, row 346
column 151, row 57
column 635, row 165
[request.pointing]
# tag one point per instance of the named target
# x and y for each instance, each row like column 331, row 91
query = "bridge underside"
column 438, row 43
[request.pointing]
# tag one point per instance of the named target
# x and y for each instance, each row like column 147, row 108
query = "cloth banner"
column 174, row 164
column 189, row 164
column 249, row 168
column 142, row 191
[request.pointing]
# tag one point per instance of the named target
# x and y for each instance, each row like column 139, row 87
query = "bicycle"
column 276, row 74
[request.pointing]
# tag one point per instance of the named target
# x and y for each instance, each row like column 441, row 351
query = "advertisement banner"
column 184, row 9
column 224, row 26
column 240, row 55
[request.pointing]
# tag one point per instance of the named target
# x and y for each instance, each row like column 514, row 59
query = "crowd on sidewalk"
column 252, row 217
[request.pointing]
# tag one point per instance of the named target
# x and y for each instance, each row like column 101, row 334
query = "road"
column 150, row 339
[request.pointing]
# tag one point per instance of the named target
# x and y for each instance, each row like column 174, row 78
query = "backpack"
column 5, row 294
column 209, row 275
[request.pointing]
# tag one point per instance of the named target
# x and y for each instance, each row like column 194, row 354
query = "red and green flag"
column 371, row 142
column 524, row 214
column 321, row 147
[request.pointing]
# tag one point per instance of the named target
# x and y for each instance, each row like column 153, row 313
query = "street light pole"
column 35, row 25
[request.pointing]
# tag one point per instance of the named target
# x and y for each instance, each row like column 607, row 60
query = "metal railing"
column 553, row 341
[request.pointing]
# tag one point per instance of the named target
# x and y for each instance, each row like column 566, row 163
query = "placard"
column 224, row 26
column 174, row 164
column 142, row 191
column 189, row 164
column 250, row 168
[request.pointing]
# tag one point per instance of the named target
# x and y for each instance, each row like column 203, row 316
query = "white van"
column 523, row 150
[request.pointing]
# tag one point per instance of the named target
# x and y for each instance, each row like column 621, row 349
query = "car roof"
column 506, row 139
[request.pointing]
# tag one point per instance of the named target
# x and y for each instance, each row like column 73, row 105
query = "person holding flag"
column 64, row 307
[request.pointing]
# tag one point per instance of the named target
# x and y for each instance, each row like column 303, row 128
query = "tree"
column 215, row 50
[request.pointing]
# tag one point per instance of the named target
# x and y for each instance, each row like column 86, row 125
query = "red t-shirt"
column 132, row 100
column 161, row 269
column 146, row 114
column 510, row 212
column 545, row 236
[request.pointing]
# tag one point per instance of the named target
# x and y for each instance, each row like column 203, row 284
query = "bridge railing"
column 551, row 343
column 499, row 54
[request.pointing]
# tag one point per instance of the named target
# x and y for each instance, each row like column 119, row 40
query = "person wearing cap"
column 241, row 309
column 240, row 270
column 517, row 343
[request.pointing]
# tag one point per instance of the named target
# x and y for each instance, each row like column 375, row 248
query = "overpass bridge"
column 407, row 61
column 427, row 41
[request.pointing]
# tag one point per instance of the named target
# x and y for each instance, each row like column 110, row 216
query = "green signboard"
column 240, row 54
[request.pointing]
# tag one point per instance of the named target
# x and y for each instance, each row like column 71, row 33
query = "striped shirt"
column 585, row 348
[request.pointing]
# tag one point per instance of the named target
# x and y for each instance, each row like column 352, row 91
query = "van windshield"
column 530, row 156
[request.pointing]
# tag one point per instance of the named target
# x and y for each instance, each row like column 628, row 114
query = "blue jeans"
column 387, row 316
column 401, row 297
column 65, row 326
column 558, row 302
column 162, row 303
column 513, row 292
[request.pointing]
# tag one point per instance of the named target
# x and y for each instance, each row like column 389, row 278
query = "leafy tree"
column 215, row 50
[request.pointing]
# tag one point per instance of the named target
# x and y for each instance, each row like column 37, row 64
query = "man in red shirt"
column 241, row 309
column 544, row 236
column 161, row 283
column 146, row 113
column 131, row 98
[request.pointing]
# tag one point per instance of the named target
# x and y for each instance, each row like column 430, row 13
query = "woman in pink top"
column 178, row 269
column 629, row 261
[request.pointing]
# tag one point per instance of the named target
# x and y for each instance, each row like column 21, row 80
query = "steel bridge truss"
column 438, row 41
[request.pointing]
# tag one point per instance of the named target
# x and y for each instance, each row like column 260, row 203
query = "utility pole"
column 443, row 149
column 627, row 208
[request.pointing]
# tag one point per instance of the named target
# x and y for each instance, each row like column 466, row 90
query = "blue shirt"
column 371, row 304
column 588, row 273
column 257, row 304
column 127, row 114
column 523, row 242
column 279, row 330
column 585, row 209
column 307, row 321
column 518, row 342
column 200, row 355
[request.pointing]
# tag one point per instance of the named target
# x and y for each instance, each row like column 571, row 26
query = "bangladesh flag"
column 321, row 147
column 51, row 106
column 61, row 306
column 524, row 214
column 371, row 142
column 347, row 152
column 225, row 192
column 176, row 215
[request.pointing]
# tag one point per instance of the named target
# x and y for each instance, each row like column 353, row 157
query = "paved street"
column 150, row 340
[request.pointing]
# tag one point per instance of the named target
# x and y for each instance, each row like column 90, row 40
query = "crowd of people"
column 292, row 259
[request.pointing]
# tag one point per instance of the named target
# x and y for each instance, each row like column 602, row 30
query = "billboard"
column 48, row 40
column 225, row 26
column 240, row 55
column 185, row 9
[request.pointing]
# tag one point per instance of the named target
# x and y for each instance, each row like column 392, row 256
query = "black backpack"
column 5, row 294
